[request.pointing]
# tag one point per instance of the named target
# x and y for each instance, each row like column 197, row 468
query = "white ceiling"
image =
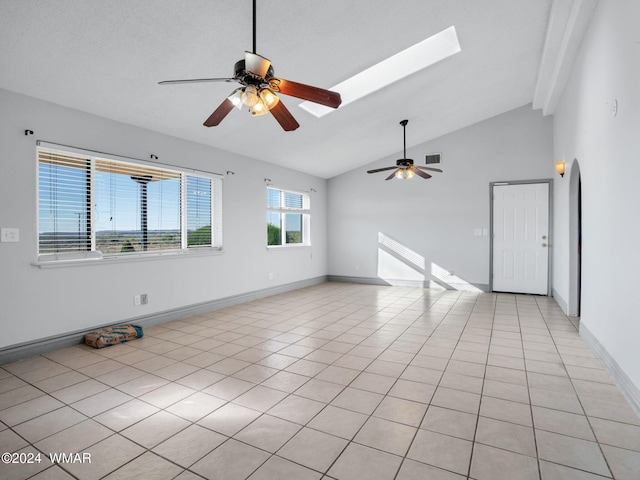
column 106, row 57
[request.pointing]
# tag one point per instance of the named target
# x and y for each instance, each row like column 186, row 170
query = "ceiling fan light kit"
column 404, row 174
column 259, row 90
column 404, row 167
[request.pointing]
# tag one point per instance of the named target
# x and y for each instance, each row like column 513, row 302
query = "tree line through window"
column 288, row 217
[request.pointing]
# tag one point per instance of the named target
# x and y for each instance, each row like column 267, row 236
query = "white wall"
column 607, row 149
column 436, row 218
column 38, row 303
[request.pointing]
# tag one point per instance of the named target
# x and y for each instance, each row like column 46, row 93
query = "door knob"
column 544, row 244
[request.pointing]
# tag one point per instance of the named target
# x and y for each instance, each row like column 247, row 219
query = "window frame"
column 283, row 210
column 92, row 255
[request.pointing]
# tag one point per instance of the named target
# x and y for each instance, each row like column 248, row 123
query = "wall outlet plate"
column 9, row 234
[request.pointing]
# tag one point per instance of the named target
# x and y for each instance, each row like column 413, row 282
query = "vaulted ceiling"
column 106, row 58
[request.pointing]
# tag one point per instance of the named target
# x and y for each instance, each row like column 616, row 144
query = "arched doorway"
column 575, row 239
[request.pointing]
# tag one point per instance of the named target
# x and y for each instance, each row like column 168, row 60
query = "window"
column 92, row 207
column 288, row 218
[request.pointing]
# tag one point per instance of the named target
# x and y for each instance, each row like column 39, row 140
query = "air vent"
column 432, row 158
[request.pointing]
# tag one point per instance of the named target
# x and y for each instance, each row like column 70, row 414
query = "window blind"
column 117, row 207
column 64, row 207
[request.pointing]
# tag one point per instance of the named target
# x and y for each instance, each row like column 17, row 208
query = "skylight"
column 414, row 58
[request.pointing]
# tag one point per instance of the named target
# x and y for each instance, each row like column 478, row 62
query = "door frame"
column 575, row 240
column 548, row 181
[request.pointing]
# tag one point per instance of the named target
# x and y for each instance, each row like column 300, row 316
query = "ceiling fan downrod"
column 254, row 26
column 404, row 135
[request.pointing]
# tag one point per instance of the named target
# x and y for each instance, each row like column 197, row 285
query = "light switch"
column 9, row 234
column 477, row 232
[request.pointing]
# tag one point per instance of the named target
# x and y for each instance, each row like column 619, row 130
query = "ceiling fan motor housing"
column 247, row 78
column 404, row 162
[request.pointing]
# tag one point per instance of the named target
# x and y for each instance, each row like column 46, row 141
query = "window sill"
column 286, row 247
column 99, row 259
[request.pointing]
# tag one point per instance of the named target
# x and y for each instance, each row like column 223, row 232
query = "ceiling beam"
column 568, row 23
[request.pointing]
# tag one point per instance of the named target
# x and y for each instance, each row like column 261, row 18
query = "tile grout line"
column 405, row 456
column 484, row 377
column 526, row 373
column 597, row 442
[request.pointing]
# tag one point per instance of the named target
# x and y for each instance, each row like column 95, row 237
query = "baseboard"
column 362, row 280
column 402, row 283
column 622, row 381
column 560, row 301
column 44, row 345
column 379, row 281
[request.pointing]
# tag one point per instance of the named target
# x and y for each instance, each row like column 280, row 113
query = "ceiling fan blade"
column 306, row 92
column 380, row 169
column 421, row 173
column 428, row 168
column 219, row 113
column 393, row 174
column 256, row 64
column 196, row 80
column 284, row 117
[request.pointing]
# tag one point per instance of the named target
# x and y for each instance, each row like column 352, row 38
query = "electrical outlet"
column 271, row 276
column 141, row 299
column 9, row 235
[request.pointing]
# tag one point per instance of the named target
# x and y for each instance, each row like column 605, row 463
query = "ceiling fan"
column 404, row 167
column 259, row 89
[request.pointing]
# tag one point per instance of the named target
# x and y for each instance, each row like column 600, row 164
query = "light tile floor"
column 336, row 381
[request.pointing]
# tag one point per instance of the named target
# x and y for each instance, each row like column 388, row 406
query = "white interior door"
column 521, row 238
